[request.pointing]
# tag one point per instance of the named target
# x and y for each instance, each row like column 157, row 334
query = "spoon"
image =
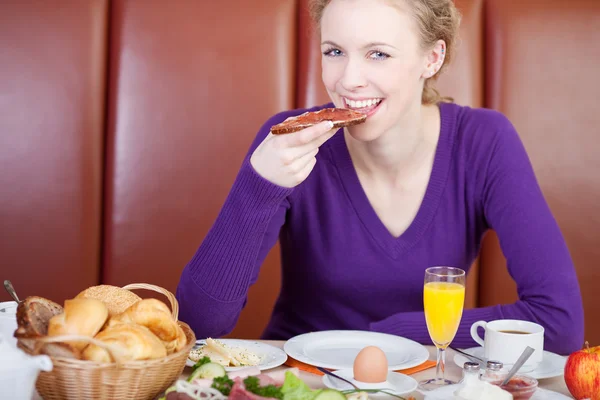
column 524, row 357
column 11, row 290
column 481, row 361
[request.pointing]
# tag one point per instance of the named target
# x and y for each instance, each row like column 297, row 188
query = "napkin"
column 292, row 362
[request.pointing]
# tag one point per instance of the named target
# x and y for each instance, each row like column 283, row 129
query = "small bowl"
column 520, row 386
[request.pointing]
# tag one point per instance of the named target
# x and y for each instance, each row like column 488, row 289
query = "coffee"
column 505, row 340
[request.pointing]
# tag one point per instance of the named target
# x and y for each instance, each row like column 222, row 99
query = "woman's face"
column 372, row 62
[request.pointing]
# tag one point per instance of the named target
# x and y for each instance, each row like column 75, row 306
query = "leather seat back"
column 189, row 89
column 52, row 109
column 542, row 72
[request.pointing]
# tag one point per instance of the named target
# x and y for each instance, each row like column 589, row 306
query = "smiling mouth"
column 367, row 106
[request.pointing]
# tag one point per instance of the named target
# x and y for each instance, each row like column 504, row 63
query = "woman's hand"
column 287, row 160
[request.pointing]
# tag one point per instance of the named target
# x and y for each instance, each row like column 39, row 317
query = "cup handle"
column 474, row 333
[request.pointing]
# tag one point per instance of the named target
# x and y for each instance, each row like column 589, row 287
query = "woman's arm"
column 537, row 256
column 214, row 285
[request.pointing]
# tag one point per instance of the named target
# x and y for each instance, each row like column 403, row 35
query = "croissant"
column 156, row 316
column 177, row 344
column 128, row 342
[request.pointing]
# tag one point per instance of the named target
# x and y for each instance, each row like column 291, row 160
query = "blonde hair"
column 436, row 19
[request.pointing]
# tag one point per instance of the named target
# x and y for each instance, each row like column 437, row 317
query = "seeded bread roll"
column 116, row 299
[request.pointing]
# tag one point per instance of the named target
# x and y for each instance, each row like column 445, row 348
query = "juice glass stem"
column 439, row 380
column 440, row 368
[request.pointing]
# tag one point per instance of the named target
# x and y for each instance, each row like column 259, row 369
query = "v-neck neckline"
column 395, row 246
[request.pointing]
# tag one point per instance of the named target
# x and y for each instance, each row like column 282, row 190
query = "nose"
column 353, row 75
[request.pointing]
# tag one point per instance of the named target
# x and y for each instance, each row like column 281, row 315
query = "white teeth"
column 361, row 103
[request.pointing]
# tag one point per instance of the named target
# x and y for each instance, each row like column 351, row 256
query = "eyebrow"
column 371, row 44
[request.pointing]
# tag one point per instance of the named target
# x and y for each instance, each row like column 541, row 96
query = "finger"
column 304, row 172
column 307, row 135
column 291, row 154
column 303, row 161
column 315, row 144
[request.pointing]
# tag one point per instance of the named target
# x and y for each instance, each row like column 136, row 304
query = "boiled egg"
column 370, row 365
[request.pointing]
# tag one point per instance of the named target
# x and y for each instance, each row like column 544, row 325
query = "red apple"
column 582, row 373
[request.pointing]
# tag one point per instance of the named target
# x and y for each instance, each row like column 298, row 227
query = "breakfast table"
column 453, row 372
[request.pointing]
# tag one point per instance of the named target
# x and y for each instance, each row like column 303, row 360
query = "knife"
column 481, row 361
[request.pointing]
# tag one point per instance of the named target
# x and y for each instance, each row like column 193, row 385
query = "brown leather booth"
column 123, row 124
column 53, row 86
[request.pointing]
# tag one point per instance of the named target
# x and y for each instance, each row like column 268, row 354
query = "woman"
column 363, row 211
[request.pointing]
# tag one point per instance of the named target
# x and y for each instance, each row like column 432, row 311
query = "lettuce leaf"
column 294, row 388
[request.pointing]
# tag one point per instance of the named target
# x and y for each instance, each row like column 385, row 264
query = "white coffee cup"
column 506, row 339
column 8, row 321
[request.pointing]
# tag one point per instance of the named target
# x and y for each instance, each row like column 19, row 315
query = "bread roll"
column 33, row 317
column 116, row 299
column 80, row 317
column 128, row 341
column 156, row 316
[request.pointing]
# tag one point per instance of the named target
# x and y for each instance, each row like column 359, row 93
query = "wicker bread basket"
column 72, row 379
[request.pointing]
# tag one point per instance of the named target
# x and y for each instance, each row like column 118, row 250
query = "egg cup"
column 396, row 383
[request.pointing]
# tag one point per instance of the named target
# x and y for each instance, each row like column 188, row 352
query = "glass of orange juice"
column 443, row 299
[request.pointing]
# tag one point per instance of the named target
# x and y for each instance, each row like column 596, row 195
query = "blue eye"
column 379, row 55
column 332, row 52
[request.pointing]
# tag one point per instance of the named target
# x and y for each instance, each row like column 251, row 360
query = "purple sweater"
column 342, row 269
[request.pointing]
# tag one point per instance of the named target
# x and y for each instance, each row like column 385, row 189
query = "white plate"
column 552, row 364
column 397, row 382
column 447, row 393
column 270, row 356
column 338, row 349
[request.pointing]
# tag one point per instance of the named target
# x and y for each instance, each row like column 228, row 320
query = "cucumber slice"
column 208, row 371
column 330, row 394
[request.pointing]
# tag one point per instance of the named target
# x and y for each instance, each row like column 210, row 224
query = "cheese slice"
column 225, row 355
column 205, row 351
column 237, row 356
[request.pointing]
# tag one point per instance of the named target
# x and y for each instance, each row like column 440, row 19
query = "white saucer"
column 447, row 393
column 552, row 364
column 397, row 382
